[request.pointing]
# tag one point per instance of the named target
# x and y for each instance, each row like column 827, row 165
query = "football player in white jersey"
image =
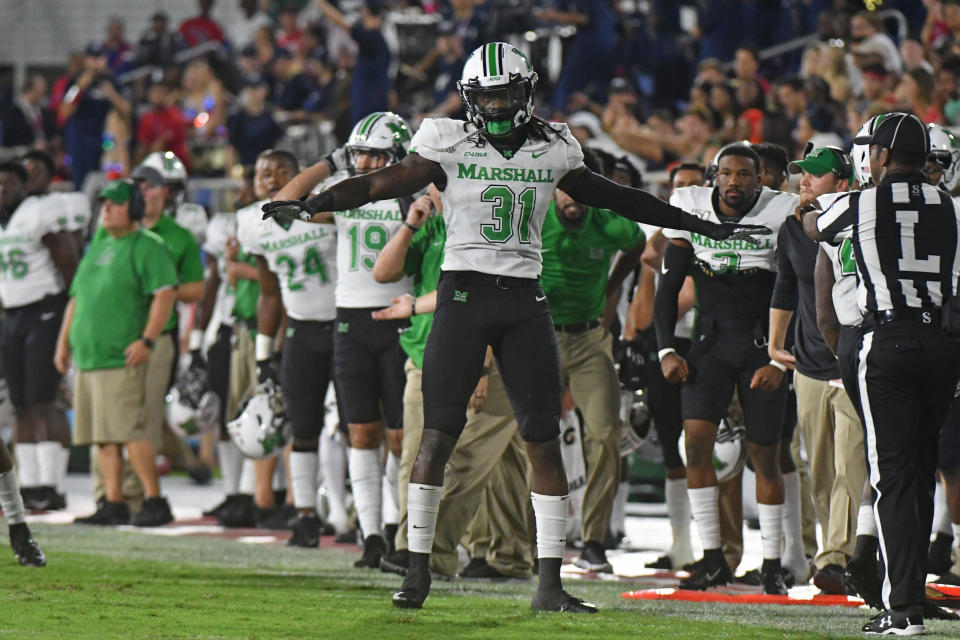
column 734, row 283
column 496, row 174
column 369, row 362
column 188, row 215
column 73, row 206
column 38, row 258
column 297, row 274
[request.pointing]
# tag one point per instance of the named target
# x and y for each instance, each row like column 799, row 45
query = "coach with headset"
column 905, row 235
column 120, row 300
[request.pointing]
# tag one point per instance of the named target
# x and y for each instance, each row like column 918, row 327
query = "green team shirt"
column 185, row 250
column 576, row 262
column 424, row 258
column 112, row 292
column 246, row 294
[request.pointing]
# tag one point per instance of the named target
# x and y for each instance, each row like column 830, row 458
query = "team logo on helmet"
column 380, row 132
column 260, row 429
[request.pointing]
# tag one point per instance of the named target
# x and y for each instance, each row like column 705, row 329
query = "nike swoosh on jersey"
column 47, row 316
column 540, row 298
column 536, row 155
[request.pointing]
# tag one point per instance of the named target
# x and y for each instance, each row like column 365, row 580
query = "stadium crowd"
column 212, row 336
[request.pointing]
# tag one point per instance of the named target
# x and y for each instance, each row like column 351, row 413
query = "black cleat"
column 480, row 569
column 217, row 511
column 895, row 623
column 416, row 584
column 713, row 572
column 771, row 577
column 663, row 562
column 594, row 558
column 936, row 612
column 200, row 475
column 108, row 514
column 155, row 512
column 306, row 531
column 276, row 518
column 560, row 600
column 938, row 554
column 396, row 562
column 862, row 577
column 25, row 548
column 830, row 580
column 374, row 548
column 240, row 513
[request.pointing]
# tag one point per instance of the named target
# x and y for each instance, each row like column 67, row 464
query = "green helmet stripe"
column 492, row 59
column 368, row 123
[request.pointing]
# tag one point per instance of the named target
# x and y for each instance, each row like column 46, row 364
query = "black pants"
column 305, row 372
column 512, row 316
column 218, row 370
column 28, row 340
column 906, row 374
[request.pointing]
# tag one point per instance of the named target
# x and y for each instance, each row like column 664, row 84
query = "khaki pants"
column 588, row 371
column 808, row 514
column 834, row 442
column 471, row 482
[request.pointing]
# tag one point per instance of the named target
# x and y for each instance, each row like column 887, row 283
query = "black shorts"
column 218, row 372
column 368, row 366
column 664, row 399
column 28, row 341
column 789, row 424
column 305, row 371
column 848, row 358
column 512, row 316
column 728, row 358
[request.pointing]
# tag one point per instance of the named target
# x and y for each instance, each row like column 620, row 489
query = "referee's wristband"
column 665, row 352
column 776, row 364
column 412, row 228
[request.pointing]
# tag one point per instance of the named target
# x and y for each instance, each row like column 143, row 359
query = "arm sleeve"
column 785, row 289
column 676, row 261
column 626, row 234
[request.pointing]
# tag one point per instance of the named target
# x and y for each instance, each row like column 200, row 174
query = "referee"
column 904, row 236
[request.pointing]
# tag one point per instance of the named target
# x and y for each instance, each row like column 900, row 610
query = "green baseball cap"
column 824, row 160
column 118, row 191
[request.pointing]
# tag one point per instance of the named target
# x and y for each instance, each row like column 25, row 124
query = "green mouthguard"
column 499, row 127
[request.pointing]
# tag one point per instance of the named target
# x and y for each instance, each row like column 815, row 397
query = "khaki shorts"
column 159, row 370
column 108, row 406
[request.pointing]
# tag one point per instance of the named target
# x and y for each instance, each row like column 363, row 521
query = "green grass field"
column 102, row 583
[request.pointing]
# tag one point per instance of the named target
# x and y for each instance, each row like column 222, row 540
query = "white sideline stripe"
column 257, row 539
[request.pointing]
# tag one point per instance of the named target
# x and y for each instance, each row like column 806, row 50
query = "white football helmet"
column 497, row 86
column 260, row 429
column 729, row 451
column 860, row 153
column 192, row 406
column 635, row 420
column 945, row 151
column 381, row 131
column 168, row 164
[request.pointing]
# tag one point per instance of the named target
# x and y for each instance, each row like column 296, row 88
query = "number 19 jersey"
column 300, row 255
column 494, row 206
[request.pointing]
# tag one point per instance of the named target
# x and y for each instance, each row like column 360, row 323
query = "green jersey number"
column 729, row 261
column 313, row 265
column 373, row 238
column 13, row 264
column 504, row 202
column 848, row 264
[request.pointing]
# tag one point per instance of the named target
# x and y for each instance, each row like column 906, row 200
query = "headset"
column 846, row 162
column 137, row 207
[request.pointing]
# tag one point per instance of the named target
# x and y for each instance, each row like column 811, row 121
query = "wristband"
column 147, row 341
column 778, row 365
column 264, row 347
column 665, row 352
column 412, row 228
column 413, row 305
column 196, row 340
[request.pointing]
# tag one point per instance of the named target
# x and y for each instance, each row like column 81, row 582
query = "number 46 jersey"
column 27, row 272
column 494, row 206
column 301, row 256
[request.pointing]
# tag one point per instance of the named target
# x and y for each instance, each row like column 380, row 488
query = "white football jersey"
column 75, row 210
column 221, row 227
column 27, row 271
column 302, row 256
column 361, row 234
column 844, row 270
column 494, row 207
column 193, row 218
column 723, row 256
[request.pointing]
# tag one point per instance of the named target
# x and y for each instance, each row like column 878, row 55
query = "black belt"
column 490, row 280
column 923, row 317
column 321, row 324
column 577, row 327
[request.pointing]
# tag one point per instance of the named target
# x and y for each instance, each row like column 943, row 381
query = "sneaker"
column 25, row 548
column 217, row 511
column 936, row 612
column 276, row 518
column 560, row 600
column 712, row 572
column 306, row 531
column 108, row 514
column 938, row 554
column 416, row 584
column 594, row 558
column 663, row 562
column 57, row 502
column 200, row 475
column 829, row 580
column 374, row 548
column 771, row 577
column 241, row 513
column 896, row 623
column 396, row 562
column 480, row 569
column 155, row 512
column 862, row 577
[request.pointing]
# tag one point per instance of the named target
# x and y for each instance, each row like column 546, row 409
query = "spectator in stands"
column 84, row 109
column 29, row 122
column 869, row 40
column 446, row 72
column 815, row 126
column 253, row 129
column 163, row 127
column 158, row 46
column 914, row 55
column 289, row 34
column 875, row 79
column 281, row 72
column 947, row 91
column 710, row 71
column 752, row 111
column 935, row 32
column 309, row 93
column 118, row 51
column 201, row 28
column 723, row 106
column 470, row 19
column 914, row 93
column 791, row 97
column 266, row 45
column 59, row 87
column 245, row 23
column 204, row 101
column 746, row 67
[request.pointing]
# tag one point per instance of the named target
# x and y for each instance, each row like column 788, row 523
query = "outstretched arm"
column 589, row 188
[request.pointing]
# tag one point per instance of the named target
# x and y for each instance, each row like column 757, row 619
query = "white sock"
column 866, row 521
column 618, row 515
column 551, row 516
column 678, row 510
column 391, row 489
column 706, row 511
column 248, row 481
column 303, row 478
column 771, row 529
column 280, row 473
column 333, row 462
column 423, row 504
column 365, row 479
column 49, row 461
column 793, row 556
column 956, row 532
column 64, row 465
column 390, row 511
column 231, row 465
column 10, row 500
column 28, row 464
column 941, row 512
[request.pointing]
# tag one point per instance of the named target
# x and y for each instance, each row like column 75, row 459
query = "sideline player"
column 497, row 174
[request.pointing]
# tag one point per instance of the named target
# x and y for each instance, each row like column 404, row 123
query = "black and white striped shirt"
column 905, row 236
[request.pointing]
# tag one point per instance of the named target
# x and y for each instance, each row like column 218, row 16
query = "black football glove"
column 287, row 210
column 745, row 232
column 197, row 360
column 267, row 372
column 337, row 159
